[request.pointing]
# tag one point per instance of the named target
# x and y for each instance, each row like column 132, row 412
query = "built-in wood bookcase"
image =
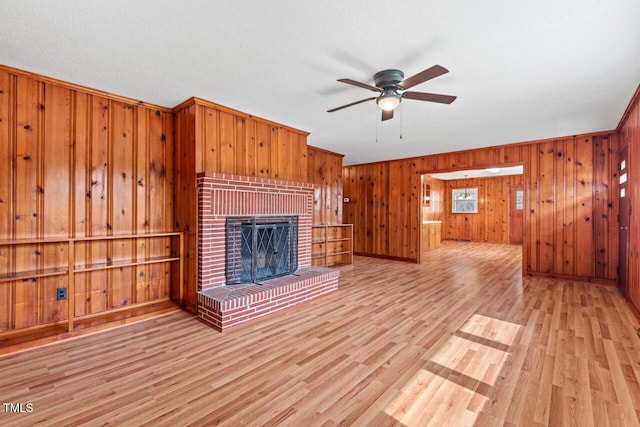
column 332, row 245
column 87, row 179
column 62, row 273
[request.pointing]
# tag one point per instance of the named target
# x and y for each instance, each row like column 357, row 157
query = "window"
column 519, row 200
column 465, row 200
column 623, row 178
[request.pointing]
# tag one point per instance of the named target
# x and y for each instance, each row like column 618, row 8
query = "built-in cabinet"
column 332, row 245
column 431, row 234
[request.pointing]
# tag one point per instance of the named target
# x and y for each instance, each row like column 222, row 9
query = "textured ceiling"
column 521, row 70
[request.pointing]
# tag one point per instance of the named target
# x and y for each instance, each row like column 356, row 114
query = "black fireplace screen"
column 259, row 248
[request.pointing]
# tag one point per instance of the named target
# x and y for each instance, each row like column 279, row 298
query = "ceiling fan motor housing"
column 388, row 78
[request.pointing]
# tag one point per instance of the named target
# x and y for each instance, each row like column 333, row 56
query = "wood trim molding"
column 391, row 258
column 84, row 89
column 322, row 150
column 492, row 147
column 203, row 102
column 632, row 103
column 596, row 281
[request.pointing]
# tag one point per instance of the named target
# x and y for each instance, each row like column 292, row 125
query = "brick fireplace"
column 221, row 196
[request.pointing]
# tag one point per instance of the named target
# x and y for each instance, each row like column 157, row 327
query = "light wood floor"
column 461, row 340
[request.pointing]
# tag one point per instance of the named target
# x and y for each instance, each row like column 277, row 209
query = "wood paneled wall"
column 75, row 163
column 570, row 202
column 213, row 138
column 629, row 131
column 436, row 209
column 325, row 170
column 491, row 222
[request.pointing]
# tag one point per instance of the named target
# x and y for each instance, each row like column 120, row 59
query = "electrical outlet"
column 61, row 294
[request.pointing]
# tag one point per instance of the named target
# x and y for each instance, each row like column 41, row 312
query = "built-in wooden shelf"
column 332, row 245
column 65, row 262
column 33, row 274
column 123, row 263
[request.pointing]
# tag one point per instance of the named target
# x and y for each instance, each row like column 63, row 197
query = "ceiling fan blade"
column 431, row 97
column 349, row 105
column 362, row 85
column 386, row 115
column 423, row 76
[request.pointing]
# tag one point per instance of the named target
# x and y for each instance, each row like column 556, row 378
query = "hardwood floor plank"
column 461, row 339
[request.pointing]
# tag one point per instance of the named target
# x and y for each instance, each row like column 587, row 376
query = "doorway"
column 623, row 223
column 473, row 205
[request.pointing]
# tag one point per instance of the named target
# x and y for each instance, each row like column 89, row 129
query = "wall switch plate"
column 61, row 294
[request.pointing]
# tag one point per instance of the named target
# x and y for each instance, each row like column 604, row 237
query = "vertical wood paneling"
column 121, row 202
column 228, row 147
column 78, row 164
column 96, row 294
column 160, row 193
column 531, row 194
column 81, row 190
column 546, row 206
column 561, row 236
column 212, row 138
column 563, row 186
column 27, row 196
column 436, row 209
column 298, row 155
column 325, row 170
column 263, row 149
column 56, row 192
column 7, row 289
column 240, row 148
column 629, row 137
column 285, row 164
column 349, row 188
column 605, row 186
column 491, row 223
column 209, row 129
column 584, row 215
column 566, row 203
column 145, row 218
column 185, row 207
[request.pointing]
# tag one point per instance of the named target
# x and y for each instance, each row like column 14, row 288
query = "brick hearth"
column 223, row 195
column 226, row 306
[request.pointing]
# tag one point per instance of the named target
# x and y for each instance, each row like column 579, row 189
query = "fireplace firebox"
column 260, row 248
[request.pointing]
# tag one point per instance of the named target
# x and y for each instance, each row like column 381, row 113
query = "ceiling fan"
column 393, row 87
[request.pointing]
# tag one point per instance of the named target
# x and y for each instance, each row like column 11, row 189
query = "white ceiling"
column 522, row 70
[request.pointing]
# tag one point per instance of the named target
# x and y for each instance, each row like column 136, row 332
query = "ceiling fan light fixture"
column 389, row 100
